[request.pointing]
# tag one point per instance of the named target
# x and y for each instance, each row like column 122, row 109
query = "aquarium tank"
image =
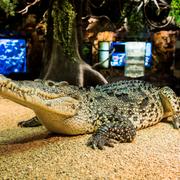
column 12, row 56
column 119, row 53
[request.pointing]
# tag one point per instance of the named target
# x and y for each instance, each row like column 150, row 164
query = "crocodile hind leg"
column 123, row 131
column 175, row 120
column 34, row 122
column 171, row 104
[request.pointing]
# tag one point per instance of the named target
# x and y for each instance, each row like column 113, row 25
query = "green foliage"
column 175, row 11
column 63, row 18
column 135, row 19
column 136, row 24
column 8, row 6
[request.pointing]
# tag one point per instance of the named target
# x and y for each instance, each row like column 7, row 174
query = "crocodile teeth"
column 13, row 89
column 1, row 85
column 9, row 85
column 19, row 93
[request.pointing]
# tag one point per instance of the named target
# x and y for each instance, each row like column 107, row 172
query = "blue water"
column 12, row 56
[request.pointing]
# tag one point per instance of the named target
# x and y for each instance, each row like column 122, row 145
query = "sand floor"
column 29, row 153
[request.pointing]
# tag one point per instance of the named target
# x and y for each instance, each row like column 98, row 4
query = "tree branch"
column 25, row 10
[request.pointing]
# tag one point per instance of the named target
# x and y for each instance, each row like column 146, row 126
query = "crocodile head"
column 56, row 104
column 40, row 96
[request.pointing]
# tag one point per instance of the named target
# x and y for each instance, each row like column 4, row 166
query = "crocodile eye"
column 49, row 83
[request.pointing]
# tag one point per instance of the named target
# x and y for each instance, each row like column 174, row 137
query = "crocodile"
column 140, row 87
column 71, row 110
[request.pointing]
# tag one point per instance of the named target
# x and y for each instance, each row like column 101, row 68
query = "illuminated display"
column 119, row 53
column 118, row 57
column 148, row 55
column 12, row 56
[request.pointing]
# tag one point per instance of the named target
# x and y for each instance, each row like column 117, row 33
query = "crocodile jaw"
column 31, row 97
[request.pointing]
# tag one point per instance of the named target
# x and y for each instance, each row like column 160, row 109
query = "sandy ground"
column 29, row 153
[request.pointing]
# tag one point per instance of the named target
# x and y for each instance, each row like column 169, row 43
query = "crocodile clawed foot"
column 122, row 131
column 99, row 141
column 34, row 122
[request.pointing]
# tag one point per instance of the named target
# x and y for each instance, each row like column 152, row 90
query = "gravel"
column 32, row 153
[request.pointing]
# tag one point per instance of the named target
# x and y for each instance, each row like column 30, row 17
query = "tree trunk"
column 61, row 59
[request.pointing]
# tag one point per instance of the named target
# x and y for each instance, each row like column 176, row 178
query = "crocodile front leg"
column 122, row 131
column 34, row 122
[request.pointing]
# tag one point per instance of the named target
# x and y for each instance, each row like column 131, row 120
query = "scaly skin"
column 169, row 100
column 141, row 88
column 67, row 109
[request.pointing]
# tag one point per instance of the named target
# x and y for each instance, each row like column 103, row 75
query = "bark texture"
column 61, row 59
